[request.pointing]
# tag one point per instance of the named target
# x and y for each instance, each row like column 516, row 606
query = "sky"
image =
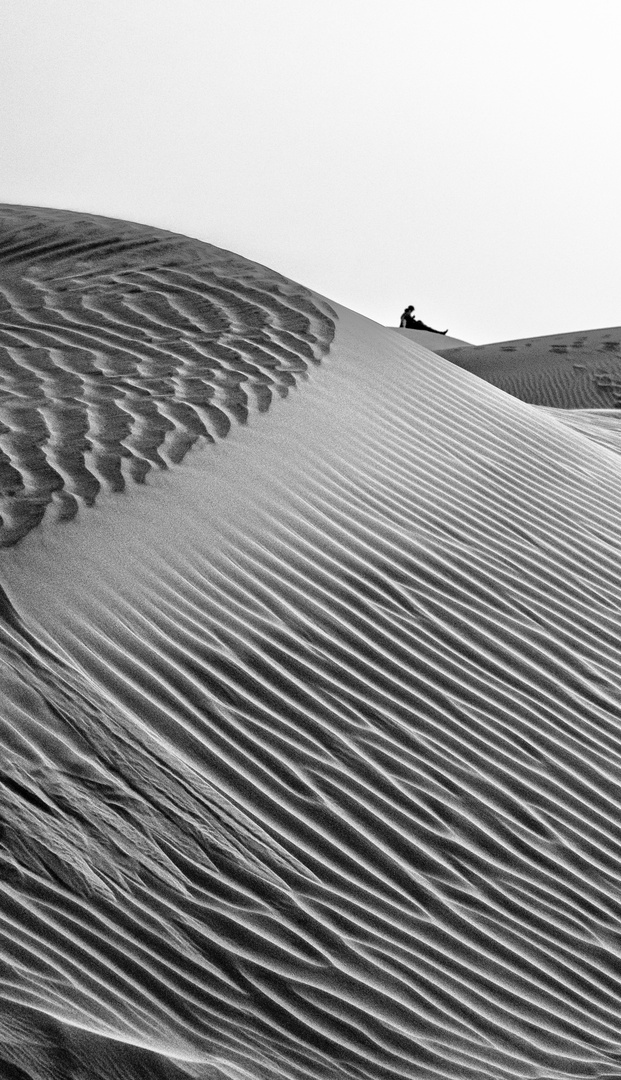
column 459, row 155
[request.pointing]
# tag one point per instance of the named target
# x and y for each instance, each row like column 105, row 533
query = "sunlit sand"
column 311, row 685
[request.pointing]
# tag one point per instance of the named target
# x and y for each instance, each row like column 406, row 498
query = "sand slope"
column 311, row 741
column 431, row 341
column 121, row 348
column 579, row 370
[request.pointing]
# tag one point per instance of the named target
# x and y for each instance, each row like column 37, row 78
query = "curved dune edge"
column 603, row 426
column 122, row 347
column 434, row 342
column 311, row 748
column 580, row 370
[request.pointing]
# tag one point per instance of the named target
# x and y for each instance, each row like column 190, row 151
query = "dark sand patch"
column 122, row 346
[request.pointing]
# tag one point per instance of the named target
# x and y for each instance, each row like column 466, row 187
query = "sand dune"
column 433, row 342
column 581, row 370
column 120, row 352
column 311, row 740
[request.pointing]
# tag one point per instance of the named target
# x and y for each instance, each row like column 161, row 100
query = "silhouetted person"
column 410, row 323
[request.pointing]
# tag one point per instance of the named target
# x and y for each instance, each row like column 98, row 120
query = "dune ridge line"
column 311, row 743
column 121, row 347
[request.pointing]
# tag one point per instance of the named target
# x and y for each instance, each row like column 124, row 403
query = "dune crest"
column 123, row 346
column 580, row 370
column 439, row 343
column 311, row 749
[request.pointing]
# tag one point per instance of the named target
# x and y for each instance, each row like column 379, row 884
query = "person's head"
column 410, row 307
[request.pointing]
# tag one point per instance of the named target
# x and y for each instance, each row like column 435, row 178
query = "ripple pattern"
column 563, row 371
column 311, row 757
column 122, row 347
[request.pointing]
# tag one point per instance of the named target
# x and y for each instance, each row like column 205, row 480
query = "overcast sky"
column 460, row 155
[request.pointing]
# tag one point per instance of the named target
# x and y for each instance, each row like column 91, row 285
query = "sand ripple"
column 122, row 346
column 563, row 371
column 311, row 754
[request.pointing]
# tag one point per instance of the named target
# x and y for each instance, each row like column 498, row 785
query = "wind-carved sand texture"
column 122, row 346
column 310, row 750
column 581, row 370
column 438, row 343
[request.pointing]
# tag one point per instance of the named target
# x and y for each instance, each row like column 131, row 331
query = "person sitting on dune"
column 410, row 323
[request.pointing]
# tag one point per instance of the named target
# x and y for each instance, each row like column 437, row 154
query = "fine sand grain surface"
column 311, row 737
column 581, row 370
column 438, row 343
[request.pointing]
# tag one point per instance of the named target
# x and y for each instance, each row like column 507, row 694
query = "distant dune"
column 580, row 370
column 310, row 683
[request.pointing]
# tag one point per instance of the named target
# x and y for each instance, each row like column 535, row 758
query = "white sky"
column 460, row 155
